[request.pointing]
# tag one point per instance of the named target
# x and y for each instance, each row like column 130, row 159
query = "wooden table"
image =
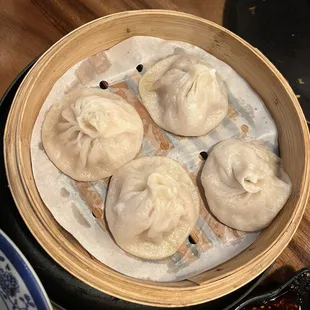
column 28, row 28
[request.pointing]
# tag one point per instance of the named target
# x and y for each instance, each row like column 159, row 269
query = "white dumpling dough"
column 152, row 206
column 184, row 95
column 91, row 133
column 245, row 184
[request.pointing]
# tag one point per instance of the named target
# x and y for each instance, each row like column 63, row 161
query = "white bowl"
column 20, row 287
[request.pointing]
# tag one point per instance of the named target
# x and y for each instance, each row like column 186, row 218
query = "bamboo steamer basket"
column 263, row 77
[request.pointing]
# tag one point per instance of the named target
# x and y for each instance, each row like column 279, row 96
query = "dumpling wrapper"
column 245, row 184
column 152, row 206
column 90, row 133
column 184, row 95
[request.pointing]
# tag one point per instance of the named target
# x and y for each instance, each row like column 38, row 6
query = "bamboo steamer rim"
column 197, row 290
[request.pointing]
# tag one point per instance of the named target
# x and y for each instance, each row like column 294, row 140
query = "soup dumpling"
column 184, row 95
column 91, row 133
column 245, row 184
column 152, row 206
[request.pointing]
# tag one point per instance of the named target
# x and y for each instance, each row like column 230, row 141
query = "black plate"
column 63, row 288
column 295, row 291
